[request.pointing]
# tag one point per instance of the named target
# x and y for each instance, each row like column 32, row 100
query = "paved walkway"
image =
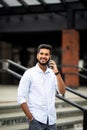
column 8, row 93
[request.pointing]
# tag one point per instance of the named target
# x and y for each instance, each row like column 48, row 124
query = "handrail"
column 14, row 73
column 73, row 91
column 77, row 106
column 73, row 66
column 70, row 102
column 17, row 65
column 76, row 73
column 69, row 73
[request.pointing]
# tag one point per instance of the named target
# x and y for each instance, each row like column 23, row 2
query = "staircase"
column 68, row 117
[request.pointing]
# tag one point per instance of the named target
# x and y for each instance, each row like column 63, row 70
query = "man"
column 37, row 88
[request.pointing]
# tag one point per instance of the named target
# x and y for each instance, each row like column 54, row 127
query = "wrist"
column 56, row 73
column 31, row 119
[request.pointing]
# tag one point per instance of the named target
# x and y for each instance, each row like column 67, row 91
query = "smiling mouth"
column 42, row 59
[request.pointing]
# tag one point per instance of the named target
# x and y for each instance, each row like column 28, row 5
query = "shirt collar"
column 39, row 69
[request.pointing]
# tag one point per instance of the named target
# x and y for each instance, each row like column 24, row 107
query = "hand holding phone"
column 51, row 64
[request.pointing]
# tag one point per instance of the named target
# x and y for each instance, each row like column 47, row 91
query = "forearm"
column 26, row 111
column 61, row 84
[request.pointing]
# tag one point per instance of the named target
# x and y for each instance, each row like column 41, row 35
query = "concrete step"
column 12, row 118
column 61, row 113
column 7, row 107
column 59, row 103
column 70, row 123
column 20, row 126
column 68, row 112
column 68, row 117
column 11, row 114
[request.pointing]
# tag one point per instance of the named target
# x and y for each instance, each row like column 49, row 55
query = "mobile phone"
column 50, row 63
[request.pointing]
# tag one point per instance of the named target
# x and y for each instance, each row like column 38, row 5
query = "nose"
column 43, row 55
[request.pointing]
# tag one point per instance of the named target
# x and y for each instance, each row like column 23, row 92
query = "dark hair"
column 44, row 46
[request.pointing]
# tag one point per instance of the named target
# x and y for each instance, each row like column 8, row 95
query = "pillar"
column 70, row 56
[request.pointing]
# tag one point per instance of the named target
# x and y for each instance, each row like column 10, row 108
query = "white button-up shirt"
column 38, row 89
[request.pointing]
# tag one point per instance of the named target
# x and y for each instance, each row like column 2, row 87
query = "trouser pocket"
column 34, row 125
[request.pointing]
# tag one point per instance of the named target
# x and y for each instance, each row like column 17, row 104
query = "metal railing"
column 77, row 106
column 74, row 73
column 7, row 69
column 76, row 93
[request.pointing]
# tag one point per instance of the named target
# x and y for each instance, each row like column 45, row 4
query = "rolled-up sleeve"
column 23, row 88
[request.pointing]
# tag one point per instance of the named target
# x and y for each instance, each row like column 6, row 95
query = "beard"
column 44, row 64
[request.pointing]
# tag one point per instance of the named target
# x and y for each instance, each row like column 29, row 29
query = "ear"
column 37, row 55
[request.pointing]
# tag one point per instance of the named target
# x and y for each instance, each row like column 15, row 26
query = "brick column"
column 70, row 56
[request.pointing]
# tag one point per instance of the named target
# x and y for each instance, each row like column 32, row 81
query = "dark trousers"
column 36, row 125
